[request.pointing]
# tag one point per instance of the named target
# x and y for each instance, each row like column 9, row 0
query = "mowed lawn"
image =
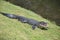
column 12, row 29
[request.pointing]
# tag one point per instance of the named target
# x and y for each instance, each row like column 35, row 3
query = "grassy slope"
column 11, row 29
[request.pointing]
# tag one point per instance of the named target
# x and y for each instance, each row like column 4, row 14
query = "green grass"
column 11, row 29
